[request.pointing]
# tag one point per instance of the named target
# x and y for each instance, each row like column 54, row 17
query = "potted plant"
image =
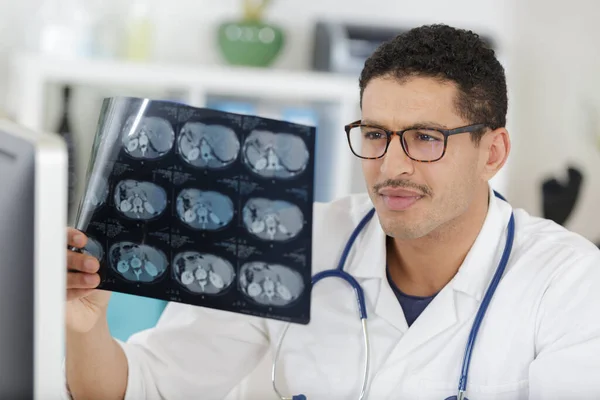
column 250, row 41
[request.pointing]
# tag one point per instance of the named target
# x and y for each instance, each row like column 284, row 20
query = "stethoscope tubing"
column 340, row 273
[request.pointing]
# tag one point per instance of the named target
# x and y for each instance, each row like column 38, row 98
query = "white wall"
column 556, row 85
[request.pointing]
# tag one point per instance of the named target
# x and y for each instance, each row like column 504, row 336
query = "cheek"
column 452, row 180
column 371, row 170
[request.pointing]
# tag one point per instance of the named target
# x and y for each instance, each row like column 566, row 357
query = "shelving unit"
column 331, row 94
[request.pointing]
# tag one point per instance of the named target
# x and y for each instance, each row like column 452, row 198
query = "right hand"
column 85, row 304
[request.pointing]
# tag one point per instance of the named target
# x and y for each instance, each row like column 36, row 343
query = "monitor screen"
column 33, row 208
column 17, row 180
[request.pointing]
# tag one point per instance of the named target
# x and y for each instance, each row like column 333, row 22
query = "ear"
column 495, row 148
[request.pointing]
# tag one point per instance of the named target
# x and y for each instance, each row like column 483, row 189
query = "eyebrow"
column 418, row 125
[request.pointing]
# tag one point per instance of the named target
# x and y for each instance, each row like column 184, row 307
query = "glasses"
column 420, row 144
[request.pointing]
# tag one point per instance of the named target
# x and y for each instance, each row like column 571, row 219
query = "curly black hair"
column 449, row 54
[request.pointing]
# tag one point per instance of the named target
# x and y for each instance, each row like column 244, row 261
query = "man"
column 425, row 262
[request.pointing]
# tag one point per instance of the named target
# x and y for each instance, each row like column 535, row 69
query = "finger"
column 76, row 238
column 81, row 280
column 73, row 294
column 82, row 262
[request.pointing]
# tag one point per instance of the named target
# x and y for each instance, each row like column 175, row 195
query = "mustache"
column 397, row 183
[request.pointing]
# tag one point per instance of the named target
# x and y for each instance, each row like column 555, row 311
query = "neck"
column 422, row 267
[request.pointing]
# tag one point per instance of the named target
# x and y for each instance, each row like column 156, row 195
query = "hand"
column 85, row 304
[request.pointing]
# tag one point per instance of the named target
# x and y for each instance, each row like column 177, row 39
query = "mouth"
column 397, row 199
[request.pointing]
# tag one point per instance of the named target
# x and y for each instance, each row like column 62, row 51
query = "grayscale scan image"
column 275, row 155
column 203, row 273
column 208, row 146
column 147, row 138
column 204, row 210
column 273, row 220
column 139, row 200
column 98, row 192
column 93, row 248
column 137, row 263
column 270, row 284
column 202, row 207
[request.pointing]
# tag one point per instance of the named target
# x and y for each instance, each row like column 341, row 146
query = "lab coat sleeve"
column 567, row 363
column 193, row 353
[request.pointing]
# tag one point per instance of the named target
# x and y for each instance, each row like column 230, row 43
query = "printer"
column 344, row 48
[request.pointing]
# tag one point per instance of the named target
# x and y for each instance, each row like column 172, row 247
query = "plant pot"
column 250, row 43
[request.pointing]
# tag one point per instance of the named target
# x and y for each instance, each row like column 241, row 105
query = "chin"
column 404, row 232
column 399, row 226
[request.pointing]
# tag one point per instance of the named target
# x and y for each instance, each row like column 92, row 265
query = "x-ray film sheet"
column 202, row 207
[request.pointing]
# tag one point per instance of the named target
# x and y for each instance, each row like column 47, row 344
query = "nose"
column 396, row 162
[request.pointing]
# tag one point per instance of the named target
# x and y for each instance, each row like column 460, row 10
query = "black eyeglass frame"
column 389, row 133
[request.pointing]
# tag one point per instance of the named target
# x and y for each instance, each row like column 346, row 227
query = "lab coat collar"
column 480, row 264
column 473, row 276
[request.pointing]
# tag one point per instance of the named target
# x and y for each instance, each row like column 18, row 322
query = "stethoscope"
column 340, row 273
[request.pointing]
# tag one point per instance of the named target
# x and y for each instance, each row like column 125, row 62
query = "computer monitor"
column 33, row 217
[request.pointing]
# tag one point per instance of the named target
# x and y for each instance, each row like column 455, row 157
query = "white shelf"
column 312, row 86
column 30, row 74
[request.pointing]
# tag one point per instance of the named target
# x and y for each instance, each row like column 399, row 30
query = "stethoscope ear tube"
column 340, row 273
column 462, row 384
column 362, row 310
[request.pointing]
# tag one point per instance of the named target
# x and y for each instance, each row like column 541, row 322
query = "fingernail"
column 90, row 264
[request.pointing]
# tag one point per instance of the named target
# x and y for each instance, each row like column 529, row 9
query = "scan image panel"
column 97, row 193
column 273, row 220
column 201, row 207
column 137, row 263
column 147, row 138
column 204, row 210
column 140, row 200
column 275, row 155
column 94, row 248
column 203, row 273
column 208, row 146
column 270, row 284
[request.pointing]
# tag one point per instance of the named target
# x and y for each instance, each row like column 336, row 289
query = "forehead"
column 396, row 104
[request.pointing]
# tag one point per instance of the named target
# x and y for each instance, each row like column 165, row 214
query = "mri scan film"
column 270, row 284
column 275, row 155
column 273, row 220
column 140, row 200
column 204, row 210
column 137, row 263
column 208, row 146
column 147, row 138
column 203, row 273
column 202, row 207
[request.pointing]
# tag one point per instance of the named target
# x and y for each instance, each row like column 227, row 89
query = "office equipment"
column 33, row 210
column 344, row 48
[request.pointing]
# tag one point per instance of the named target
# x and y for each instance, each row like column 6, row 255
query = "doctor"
column 425, row 262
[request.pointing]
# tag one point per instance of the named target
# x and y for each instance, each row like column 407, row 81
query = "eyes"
column 420, row 135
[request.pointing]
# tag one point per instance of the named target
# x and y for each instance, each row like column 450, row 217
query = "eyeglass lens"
column 420, row 144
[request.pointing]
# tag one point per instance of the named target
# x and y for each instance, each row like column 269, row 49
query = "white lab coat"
column 540, row 338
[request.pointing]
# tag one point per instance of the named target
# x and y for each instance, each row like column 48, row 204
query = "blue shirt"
column 412, row 306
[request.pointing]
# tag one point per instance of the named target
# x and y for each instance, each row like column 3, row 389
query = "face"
column 416, row 199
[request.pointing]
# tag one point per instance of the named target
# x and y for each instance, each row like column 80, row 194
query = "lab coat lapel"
column 368, row 266
column 438, row 317
column 459, row 300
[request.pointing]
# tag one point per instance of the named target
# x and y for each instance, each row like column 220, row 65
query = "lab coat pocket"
column 440, row 390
